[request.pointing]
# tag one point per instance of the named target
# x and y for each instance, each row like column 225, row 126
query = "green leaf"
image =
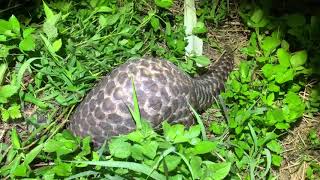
column 299, row 58
column 63, row 169
column 155, row 23
column 256, row 16
column 14, row 111
column 141, row 168
column 284, row 57
column 27, row 32
column 296, row 20
column 276, row 160
column 7, row 91
column 171, row 162
column 267, row 71
column 275, row 146
column 30, row 156
column 5, row 115
column 274, row 88
column 15, row 25
column 103, row 22
column 218, row 171
column 20, row 170
column 282, row 125
column 62, row 143
column 150, row 149
column 193, row 132
column 56, row 45
column 164, row 3
column 15, row 140
column 5, row 27
column 3, row 70
column 199, row 28
column 204, row 147
column 285, row 45
column 269, row 44
column 217, row 128
column 195, row 164
column 137, row 152
column 119, row 148
column 244, row 72
column 27, row 44
column 48, row 12
column 202, row 61
column 287, row 76
column 50, row 30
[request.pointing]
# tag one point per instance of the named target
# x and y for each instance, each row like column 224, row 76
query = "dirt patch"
column 299, row 152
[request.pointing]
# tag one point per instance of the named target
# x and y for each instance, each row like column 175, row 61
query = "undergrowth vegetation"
column 48, row 64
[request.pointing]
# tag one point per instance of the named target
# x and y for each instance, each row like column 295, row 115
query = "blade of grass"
column 141, row 168
column 136, row 112
column 199, row 121
column 82, row 174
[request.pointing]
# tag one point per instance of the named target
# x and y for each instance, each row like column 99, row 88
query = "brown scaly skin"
column 163, row 93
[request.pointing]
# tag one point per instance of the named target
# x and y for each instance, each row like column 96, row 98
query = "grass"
column 266, row 127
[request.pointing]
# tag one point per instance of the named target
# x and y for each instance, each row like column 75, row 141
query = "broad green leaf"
column 103, row 22
column 296, row 20
column 7, row 91
column 287, row 76
column 50, row 30
column 217, row 128
column 218, row 171
column 14, row 111
column 282, row 125
column 5, row 27
column 61, row 144
column 274, row 88
column 155, row 23
column 204, row 147
column 30, row 156
column 27, row 44
column 137, row 152
column 195, row 164
column 171, row 161
column 15, row 140
column 164, row 3
column 276, row 160
column 202, row 61
column 119, row 148
column 63, row 169
column 244, row 72
column 256, row 16
column 5, row 115
column 267, row 71
column 56, row 45
column 193, row 132
column 284, row 57
column 15, row 25
column 199, row 28
column 27, row 32
column 20, row 170
column 269, row 44
column 299, row 58
column 150, row 149
column 275, row 146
